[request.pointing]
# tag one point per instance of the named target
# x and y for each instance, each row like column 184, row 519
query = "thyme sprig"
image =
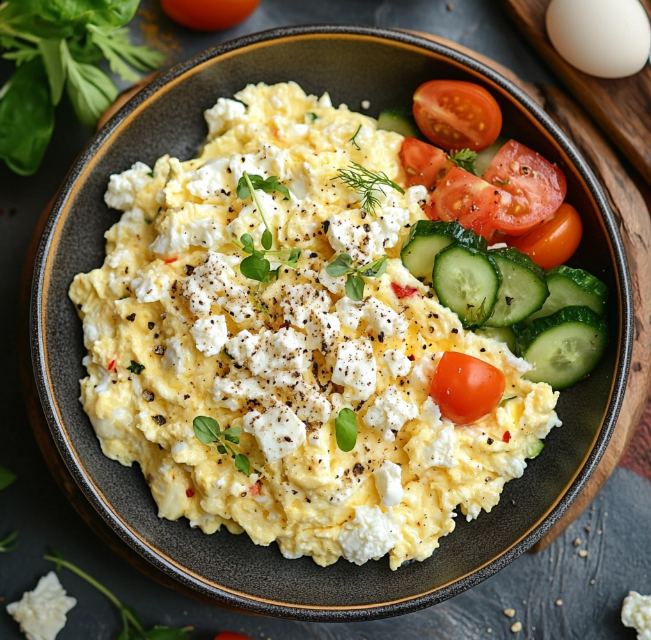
column 208, row 431
column 343, row 265
column 367, row 183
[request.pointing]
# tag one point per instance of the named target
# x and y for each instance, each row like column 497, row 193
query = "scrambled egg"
column 281, row 360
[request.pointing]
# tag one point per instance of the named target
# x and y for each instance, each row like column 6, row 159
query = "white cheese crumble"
column 370, row 535
column 379, row 317
column 356, row 369
column 300, row 300
column 636, row 613
column 151, row 286
column 175, row 356
column 399, row 364
column 222, row 115
column 389, row 413
column 41, row 613
column 278, row 430
column 123, row 187
column 388, row 482
column 363, row 243
column 210, row 334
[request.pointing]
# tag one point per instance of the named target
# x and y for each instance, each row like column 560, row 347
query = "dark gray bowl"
column 353, row 64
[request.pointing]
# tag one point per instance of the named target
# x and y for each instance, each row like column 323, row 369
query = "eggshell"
column 605, row 38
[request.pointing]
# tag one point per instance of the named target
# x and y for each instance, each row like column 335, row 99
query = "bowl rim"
column 157, row 558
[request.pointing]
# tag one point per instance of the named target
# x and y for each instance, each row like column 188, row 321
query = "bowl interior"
column 352, row 67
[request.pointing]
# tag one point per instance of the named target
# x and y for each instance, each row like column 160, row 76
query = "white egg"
column 605, row 38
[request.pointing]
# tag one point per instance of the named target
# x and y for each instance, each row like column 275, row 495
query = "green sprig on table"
column 55, row 45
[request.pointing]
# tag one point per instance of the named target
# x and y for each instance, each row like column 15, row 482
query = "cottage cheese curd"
column 280, row 361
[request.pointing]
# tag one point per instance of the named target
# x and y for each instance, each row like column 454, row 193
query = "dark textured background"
column 619, row 519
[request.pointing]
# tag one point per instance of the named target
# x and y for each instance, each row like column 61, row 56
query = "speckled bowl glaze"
column 353, row 64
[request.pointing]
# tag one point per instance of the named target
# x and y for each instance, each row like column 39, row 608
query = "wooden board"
column 620, row 107
column 634, row 223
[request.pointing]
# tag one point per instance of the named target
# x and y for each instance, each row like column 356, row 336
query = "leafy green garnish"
column 367, row 183
column 353, row 140
column 312, row 115
column 247, row 183
column 6, row 477
column 346, row 429
column 343, row 265
column 208, row 431
column 502, row 183
column 136, row 367
column 9, row 543
column 132, row 627
column 465, row 158
column 55, row 45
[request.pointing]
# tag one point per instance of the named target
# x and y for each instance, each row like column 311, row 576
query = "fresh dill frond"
column 353, row 140
column 464, row 158
column 367, row 183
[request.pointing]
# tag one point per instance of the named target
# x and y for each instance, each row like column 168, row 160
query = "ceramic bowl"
column 353, row 64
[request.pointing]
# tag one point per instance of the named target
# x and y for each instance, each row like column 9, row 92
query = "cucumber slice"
column 427, row 238
column 572, row 287
column 466, row 280
column 501, row 334
column 400, row 120
column 564, row 347
column 533, row 449
column 523, row 290
column 485, row 156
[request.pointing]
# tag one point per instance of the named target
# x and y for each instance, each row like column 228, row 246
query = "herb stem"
column 255, row 199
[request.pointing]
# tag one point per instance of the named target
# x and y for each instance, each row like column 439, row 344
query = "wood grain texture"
column 620, row 107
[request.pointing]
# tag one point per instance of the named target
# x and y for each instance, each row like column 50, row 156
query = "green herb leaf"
column 355, row 287
column 374, row 269
column 311, row 115
column 26, row 118
column 502, row 183
column 340, row 266
column 367, row 183
column 353, row 140
column 270, row 185
column 52, row 52
column 267, row 239
column 206, row 429
column 232, row 434
column 136, row 367
column 465, row 158
column 247, row 243
column 9, row 543
column 221, row 448
column 255, row 268
column 6, row 477
column 346, row 429
column 165, row 633
column 242, row 464
column 57, row 558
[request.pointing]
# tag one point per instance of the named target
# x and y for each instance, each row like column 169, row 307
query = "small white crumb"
column 524, row 602
column 366, row 104
column 599, row 532
column 516, row 626
column 583, row 553
column 577, row 542
column 588, row 528
column 605, row 514
column 592, row 582
column 559, row 602
column 509, row 613
column 489, row 630
column 533, row 628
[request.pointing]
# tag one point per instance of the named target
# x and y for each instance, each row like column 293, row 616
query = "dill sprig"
column 367, row 183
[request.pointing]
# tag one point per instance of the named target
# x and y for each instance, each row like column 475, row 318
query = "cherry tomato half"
column 230, row 635
column 467, row 199
column 537, row 187
column 553, row 242
column 209, row 15
column 457, row 115
column 423, row 163
column 465, row 388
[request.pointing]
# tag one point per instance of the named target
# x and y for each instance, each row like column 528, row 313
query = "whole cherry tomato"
column 457, row 115
column 423, row 163
column 553, row 242
column 231, row 635
column 209, row 15
column 536, row 186
column 465, row 388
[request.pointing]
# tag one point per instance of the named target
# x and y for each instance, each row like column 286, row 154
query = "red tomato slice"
column 423, row 163
column 465, row 388
column 457, row 115
column 404, row 292
column 553, row 242
column 231, row 635
column 537, row 187
column 209, row 15
column 467, row 199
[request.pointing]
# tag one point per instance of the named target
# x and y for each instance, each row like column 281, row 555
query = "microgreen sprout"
column 346, row 429
column 208, row 431
column 132, row 627
column 367, row 183
column 343, row 265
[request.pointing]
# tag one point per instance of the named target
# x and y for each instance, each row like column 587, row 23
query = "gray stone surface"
column 618, row 557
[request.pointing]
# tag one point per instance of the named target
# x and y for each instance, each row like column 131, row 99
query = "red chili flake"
column 506, row 437
column 255, row 489
column 411, row 357
column 189, row 492
column 172, row 259
column 111, row 365
column 404, row 292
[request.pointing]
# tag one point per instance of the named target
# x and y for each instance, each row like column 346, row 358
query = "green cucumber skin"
column 523, row 281
column 574, row 318
column 572, row 287
column 421, row 267
column 534, row 449
column 488, row 302
column 400, row 120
